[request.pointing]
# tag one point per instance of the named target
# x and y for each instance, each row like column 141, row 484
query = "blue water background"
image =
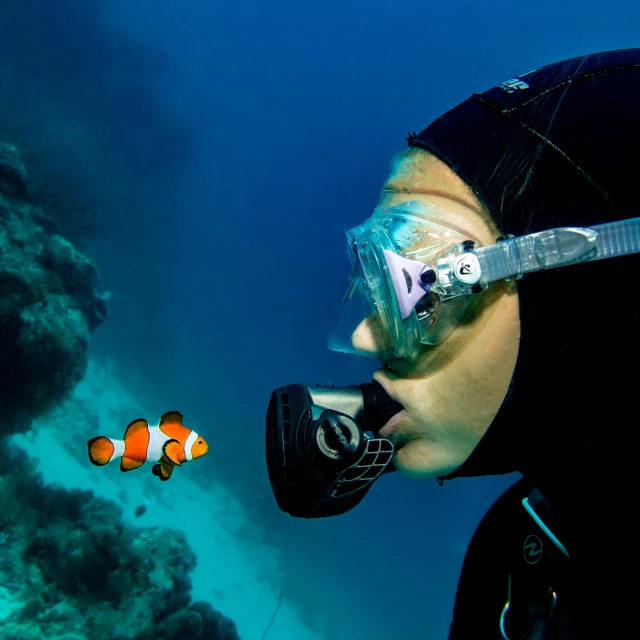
column 225, row 286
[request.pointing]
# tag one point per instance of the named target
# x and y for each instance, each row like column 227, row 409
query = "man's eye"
column 426, row 305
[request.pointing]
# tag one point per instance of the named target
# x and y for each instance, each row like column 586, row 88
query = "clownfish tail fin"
column 102, row 450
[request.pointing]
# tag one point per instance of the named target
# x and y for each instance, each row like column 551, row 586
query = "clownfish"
column 166, row 446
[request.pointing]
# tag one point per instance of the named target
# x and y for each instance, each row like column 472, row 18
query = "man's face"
column 451, row 391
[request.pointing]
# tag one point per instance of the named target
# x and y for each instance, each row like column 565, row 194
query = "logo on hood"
column 513, row 85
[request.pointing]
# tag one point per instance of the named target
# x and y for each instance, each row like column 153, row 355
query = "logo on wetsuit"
column 513, row 85
column 532, row 549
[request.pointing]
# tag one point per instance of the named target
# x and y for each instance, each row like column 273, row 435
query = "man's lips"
column 392, row 425
column 394, row 422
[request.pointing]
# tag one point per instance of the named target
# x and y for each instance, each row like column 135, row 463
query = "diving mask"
column 398, row 288
column 413, row 280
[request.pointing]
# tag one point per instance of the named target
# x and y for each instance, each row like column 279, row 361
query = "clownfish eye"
column 199, row 441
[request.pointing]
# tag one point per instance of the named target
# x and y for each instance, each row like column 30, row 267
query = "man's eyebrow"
column 390, row 187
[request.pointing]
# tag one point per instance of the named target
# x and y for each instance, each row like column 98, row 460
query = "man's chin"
column 415, row 459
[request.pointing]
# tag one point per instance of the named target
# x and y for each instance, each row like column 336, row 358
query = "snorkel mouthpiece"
column 322, row 446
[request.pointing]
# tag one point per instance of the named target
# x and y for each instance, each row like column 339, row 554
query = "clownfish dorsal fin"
column 171, row 417
column 137, row 425
column 172, row 450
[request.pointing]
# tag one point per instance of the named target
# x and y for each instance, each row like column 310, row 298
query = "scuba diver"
column 494, row 282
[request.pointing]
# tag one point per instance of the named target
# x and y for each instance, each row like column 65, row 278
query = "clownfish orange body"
column 166, row 446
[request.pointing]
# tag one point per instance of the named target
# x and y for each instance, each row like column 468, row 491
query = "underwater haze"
column 176, row 179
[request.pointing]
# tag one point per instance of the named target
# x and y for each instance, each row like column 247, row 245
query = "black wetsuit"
column 558, row 146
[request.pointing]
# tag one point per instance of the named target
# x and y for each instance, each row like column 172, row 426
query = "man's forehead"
column 420, row 172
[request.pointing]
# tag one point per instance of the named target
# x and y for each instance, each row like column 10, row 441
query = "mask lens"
column 370, row 322
column 357, row 329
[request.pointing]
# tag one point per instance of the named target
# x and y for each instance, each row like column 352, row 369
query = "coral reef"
column 49, row 303
column 80, row 129
column 71, row 569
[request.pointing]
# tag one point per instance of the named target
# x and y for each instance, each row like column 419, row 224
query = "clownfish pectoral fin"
column 163, row 469
column 137, row 425
column 100, row 450
column 128, row 464
column 172, row 449
column 171, row 417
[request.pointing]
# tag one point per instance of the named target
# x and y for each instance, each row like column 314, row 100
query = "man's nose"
column 369, row 338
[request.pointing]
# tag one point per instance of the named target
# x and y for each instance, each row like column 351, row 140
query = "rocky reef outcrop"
column 71, row 569
column 49, row 302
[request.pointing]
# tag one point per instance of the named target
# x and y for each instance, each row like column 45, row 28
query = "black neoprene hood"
column 557, row 146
